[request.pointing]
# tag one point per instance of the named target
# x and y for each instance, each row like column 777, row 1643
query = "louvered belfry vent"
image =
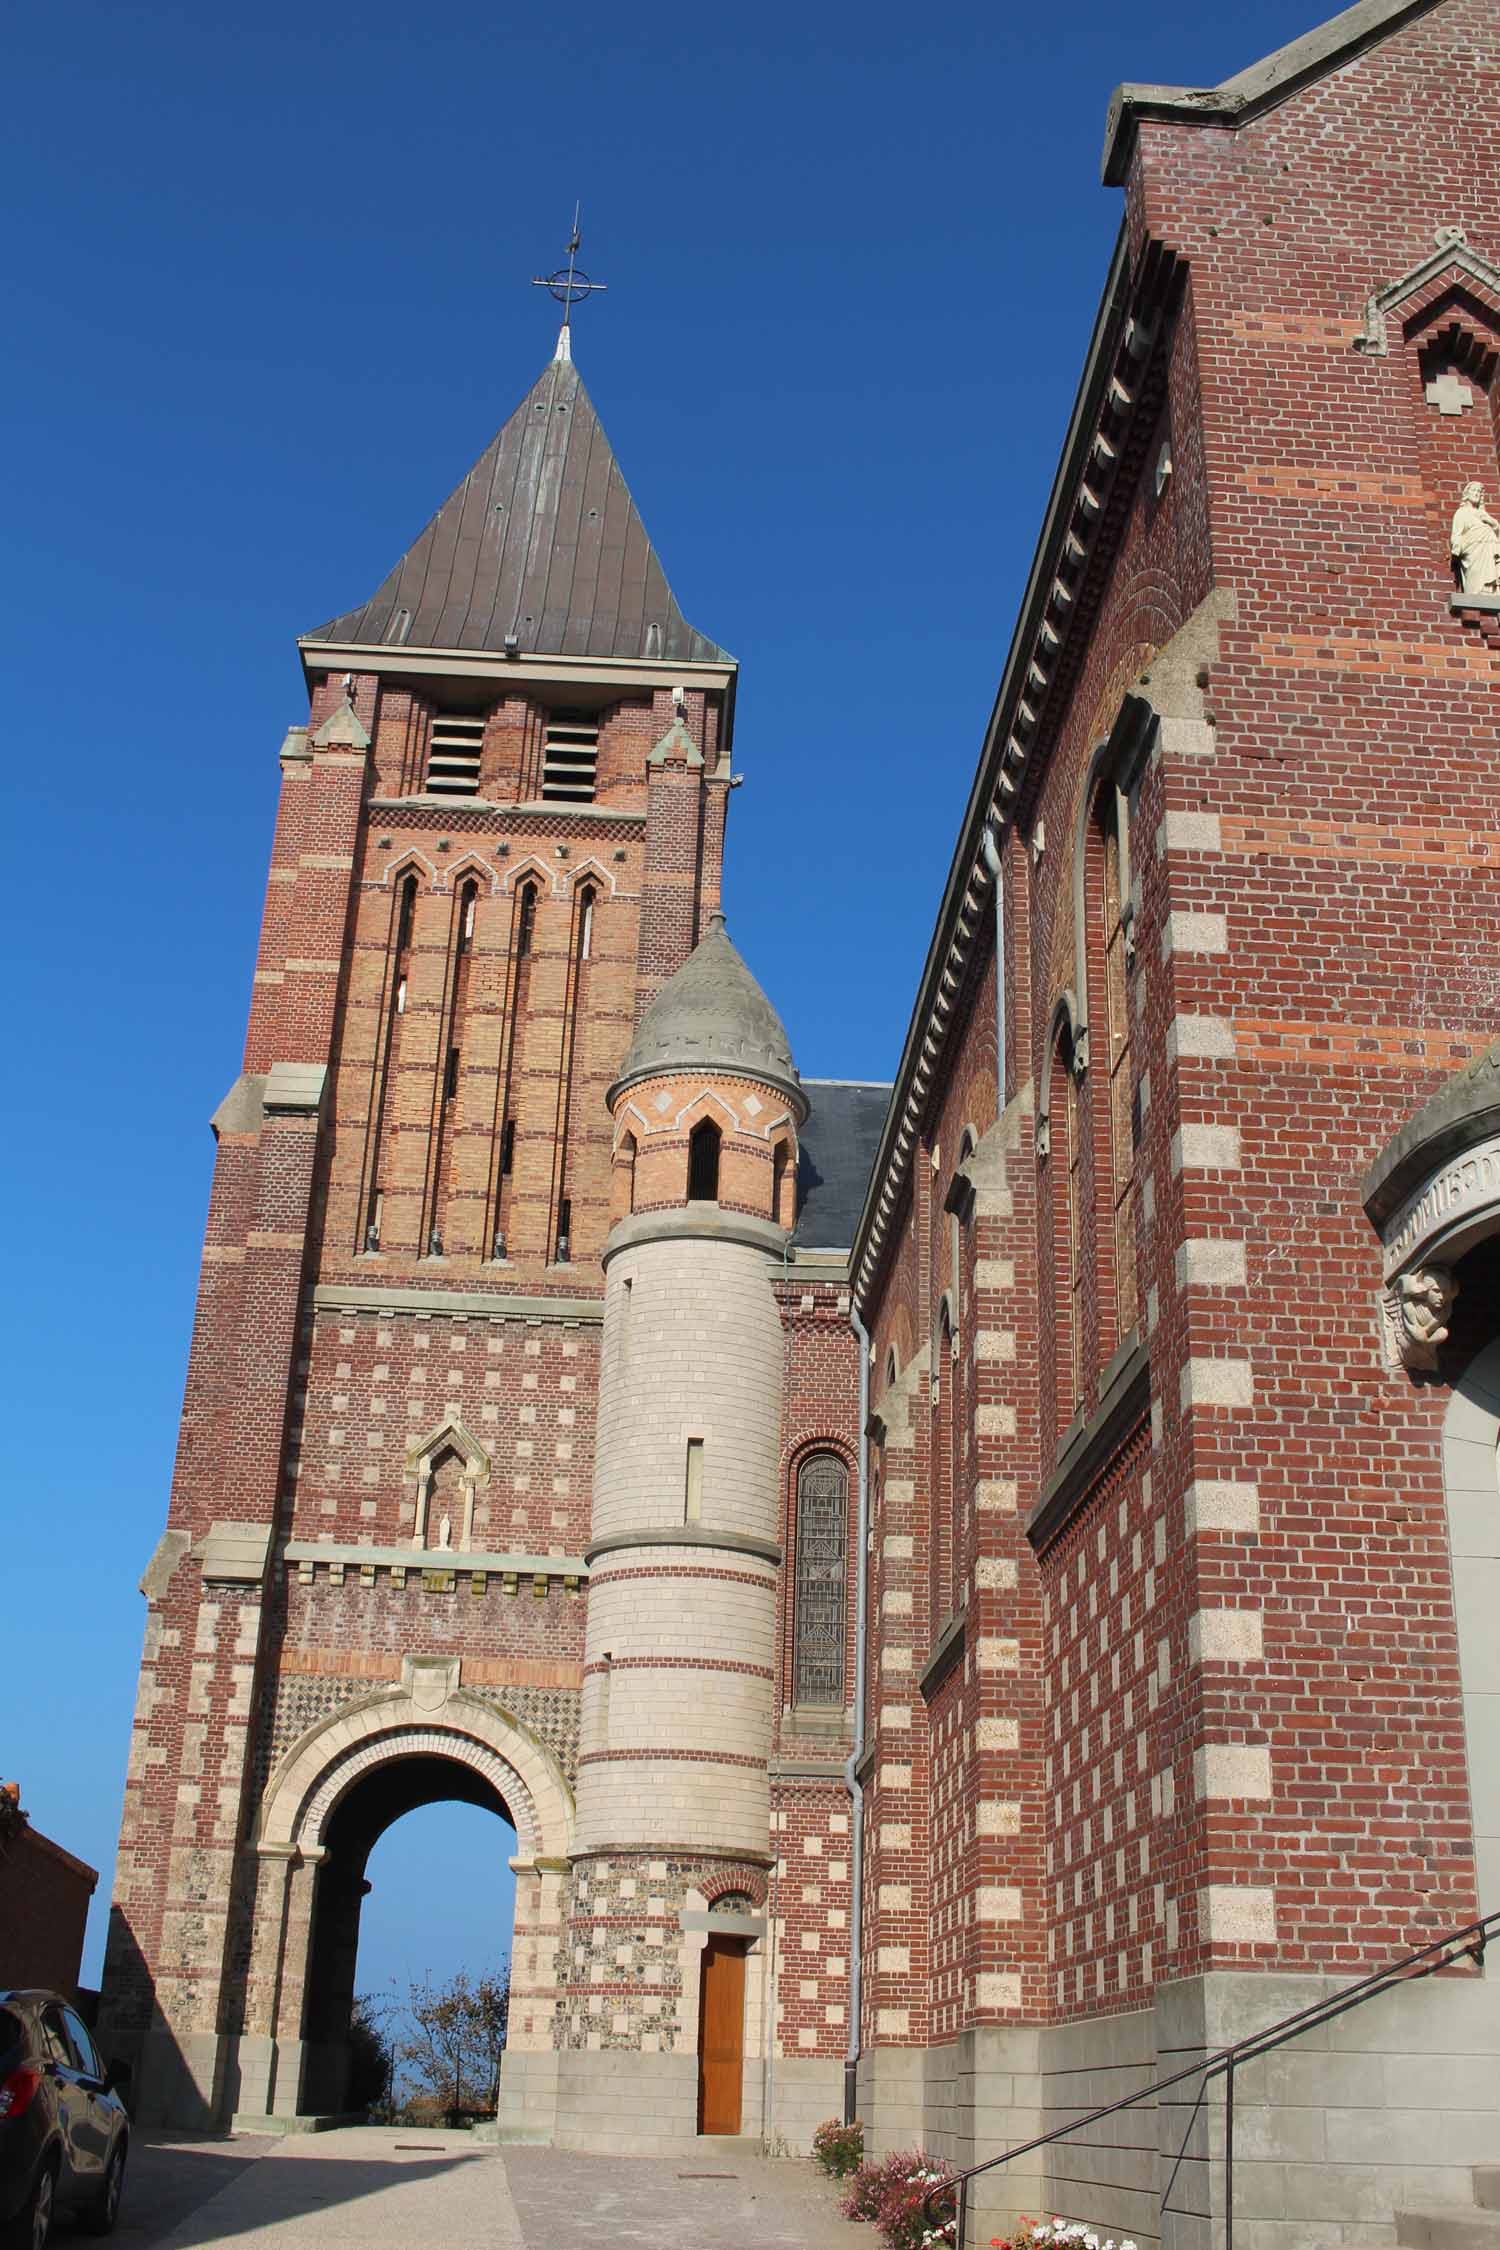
column 453, row 757
column 571, row 759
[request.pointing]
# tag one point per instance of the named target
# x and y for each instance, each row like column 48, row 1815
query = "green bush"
column 839, row 2148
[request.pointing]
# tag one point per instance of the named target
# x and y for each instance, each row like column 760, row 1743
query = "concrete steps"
column 1448, row 2227
column 1457, row 2226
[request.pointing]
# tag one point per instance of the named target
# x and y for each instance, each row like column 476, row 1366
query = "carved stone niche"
column 1432, row 1193
column 450, row 1468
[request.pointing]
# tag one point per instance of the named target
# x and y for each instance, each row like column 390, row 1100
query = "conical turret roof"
column 541, row 540
column 712, row 1015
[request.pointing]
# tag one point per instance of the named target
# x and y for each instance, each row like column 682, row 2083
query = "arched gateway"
column 328, row 1800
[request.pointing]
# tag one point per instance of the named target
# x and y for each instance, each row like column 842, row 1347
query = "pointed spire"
column 540, row 551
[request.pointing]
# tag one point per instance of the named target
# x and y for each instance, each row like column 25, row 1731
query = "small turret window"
column 703, row 1162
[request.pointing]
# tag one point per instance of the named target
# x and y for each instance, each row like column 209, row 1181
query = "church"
column 978, row 1593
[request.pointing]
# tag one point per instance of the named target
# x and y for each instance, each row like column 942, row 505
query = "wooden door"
column 721, row 2035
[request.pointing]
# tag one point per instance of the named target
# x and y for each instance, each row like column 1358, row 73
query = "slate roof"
column 836, row 1149
column 712, row 1012
column 541, row 539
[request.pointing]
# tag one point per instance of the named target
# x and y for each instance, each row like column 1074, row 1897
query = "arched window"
column 623, row 1199
column 820, row 1600
column 1109, row 1122
column 586, row 924
column 388, row 1062
column 783, row 1184
column 525, row 920
column 1063, row 1253
column 703, row 1162
column 1119, row 1061
column 943, row 1511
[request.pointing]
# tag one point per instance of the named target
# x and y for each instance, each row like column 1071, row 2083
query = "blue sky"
column 267, row 297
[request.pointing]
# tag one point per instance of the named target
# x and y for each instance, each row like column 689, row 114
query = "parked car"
column 64, row 2134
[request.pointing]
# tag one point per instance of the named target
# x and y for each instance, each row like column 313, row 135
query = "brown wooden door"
column 721, row 2035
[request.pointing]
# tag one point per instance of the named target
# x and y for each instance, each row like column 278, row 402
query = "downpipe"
column 856, row 1755
column 990, row 853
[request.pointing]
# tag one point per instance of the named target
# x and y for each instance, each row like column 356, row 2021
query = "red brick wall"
column 44, row 1907
column 1332, row 801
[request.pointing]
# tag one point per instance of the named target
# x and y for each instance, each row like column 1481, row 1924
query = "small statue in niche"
column 1474, row 543
column 445, row 1532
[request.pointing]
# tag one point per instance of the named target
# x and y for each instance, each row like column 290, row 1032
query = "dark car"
column 63, row 2128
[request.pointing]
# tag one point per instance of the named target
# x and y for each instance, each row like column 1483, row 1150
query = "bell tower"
column 673, row 1835
column 499, row 837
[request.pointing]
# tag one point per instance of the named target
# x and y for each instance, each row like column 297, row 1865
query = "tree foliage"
column 451, row 2054
column 372, row 2062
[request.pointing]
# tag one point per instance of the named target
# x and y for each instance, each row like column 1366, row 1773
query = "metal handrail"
column 1466, row 1943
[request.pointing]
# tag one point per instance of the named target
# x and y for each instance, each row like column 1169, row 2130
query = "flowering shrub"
column 893, row 2192
column 1057, row 2234
column 867, row 2187
column 839, row 2148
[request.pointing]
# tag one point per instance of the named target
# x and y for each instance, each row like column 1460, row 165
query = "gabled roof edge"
column 1108, row 322
column 1260, row 87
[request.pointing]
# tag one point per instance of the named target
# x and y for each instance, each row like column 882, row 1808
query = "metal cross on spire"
column 569, row 285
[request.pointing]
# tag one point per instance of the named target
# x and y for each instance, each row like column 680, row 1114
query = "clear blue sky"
column 266, row 300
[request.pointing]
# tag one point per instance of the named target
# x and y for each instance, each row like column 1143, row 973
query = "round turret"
column 684, row 1554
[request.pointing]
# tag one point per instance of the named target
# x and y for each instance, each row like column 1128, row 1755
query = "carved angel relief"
column 1414, row 1317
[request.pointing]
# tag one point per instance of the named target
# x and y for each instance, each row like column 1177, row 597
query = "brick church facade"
column 969, row 1592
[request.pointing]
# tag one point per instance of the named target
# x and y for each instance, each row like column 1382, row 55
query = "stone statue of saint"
column 445, row 1532
column 1474, row 543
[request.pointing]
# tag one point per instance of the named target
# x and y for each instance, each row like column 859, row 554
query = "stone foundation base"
column 642, row 2105
column 1386, row 2108
column 527, row 2108
column 178, row 2080
column 805, row 2091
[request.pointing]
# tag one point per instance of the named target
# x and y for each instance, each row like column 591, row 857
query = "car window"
column 88, row 2054
column 55, row 2040
column 12, row 2032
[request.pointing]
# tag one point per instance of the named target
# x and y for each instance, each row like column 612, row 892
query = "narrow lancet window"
column 447, row 1121
column 703, row 1162
column 388, row 1063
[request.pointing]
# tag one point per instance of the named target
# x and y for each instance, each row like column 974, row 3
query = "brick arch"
column 530, row 869
column 410, row 862
column 590, row 871
column 317, row 1771
column 471, row 868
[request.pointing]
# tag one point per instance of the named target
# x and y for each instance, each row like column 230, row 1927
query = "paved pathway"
column 388, row 2188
